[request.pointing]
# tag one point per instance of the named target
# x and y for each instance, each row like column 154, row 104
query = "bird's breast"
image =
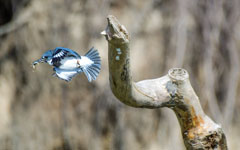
column 69, row 64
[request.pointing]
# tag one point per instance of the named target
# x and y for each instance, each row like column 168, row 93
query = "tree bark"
column 173, row 90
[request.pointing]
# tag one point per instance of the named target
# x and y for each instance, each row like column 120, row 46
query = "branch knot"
column 115, row 32
column 178, row 75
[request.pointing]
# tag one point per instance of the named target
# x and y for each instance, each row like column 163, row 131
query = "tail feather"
column 91, row 73
column 97, row 66
column 95, row 74
column 97, row 70
column 92, row 70
column 87, row 74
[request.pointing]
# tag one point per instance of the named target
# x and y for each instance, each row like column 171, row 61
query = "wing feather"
column 60, row 53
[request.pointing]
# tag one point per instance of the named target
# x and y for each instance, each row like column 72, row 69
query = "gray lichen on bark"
column 173, row 90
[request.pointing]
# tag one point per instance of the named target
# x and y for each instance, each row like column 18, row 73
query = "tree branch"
column 173, row 91
column 129, row 92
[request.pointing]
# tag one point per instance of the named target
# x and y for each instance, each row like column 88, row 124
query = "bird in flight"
column 68, row 63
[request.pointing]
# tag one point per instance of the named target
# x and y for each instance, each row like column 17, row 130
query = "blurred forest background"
column 40, row 112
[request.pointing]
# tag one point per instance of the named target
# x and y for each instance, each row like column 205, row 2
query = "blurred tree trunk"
column 173, row 91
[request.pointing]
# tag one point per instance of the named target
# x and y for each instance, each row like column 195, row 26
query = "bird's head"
column 46, row 57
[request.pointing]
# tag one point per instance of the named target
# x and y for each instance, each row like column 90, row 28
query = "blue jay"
column 67, row 63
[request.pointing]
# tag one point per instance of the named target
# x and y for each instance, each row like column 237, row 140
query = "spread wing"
column 60, row 53
column 66, row 75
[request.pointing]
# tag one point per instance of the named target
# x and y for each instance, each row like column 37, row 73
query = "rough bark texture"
column 173, row 90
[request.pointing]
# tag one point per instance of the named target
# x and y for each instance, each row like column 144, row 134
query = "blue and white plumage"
column 67, row 63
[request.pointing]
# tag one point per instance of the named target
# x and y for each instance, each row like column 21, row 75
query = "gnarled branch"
column 129, row 92
column 173, row 90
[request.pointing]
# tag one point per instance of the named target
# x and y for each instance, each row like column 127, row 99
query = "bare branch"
column 173, row 91
column 129, row 92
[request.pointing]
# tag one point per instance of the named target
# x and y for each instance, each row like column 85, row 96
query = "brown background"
column 40, row 112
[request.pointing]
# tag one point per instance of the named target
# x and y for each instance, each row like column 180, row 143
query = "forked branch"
column 173, row 90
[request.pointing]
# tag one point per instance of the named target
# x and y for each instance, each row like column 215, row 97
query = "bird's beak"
column 41, row 60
